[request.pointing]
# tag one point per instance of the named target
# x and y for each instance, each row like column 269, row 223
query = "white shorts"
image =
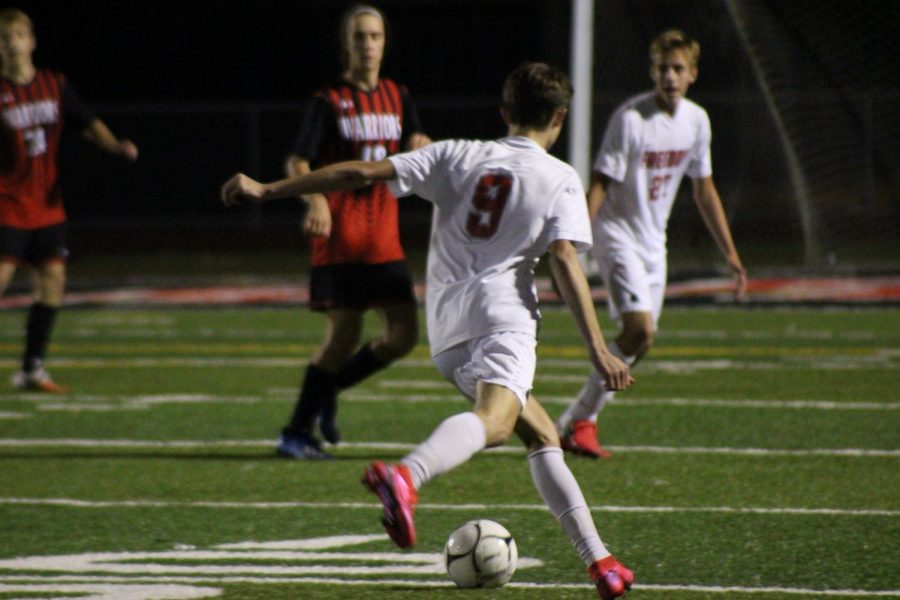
column 507, row 359
column 634, row 283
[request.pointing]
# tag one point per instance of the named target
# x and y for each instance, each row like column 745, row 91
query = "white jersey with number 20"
column 498, row 205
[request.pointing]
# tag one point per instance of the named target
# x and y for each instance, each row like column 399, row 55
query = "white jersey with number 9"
column 498, row 205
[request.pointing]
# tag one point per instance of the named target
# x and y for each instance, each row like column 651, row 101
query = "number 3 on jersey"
column 488, row 203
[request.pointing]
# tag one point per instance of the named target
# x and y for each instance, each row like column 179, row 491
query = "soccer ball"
column 481, row 553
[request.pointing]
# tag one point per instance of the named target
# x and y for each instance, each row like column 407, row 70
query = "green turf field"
column 758, row 456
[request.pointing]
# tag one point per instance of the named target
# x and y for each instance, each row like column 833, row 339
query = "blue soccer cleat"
column 301, row 446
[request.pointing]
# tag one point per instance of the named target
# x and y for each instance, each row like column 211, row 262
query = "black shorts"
column 33, row 246
column 360, row 286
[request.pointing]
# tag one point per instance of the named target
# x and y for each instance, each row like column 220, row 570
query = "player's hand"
column 240, row 188
column 616, row 373
column 128, row 150
column 317, row 221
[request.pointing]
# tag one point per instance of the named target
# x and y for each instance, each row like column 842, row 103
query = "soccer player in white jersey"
column 650, row 143
column 499, row 206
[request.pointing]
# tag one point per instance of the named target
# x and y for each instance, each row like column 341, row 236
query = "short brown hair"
column 675, row 39
column 8, row 16
column 533, row 92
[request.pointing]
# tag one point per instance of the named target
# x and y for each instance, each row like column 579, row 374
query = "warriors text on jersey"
column 646, row 152
column 347, row 123
column 31, row 122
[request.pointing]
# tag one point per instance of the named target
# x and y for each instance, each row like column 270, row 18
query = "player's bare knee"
column 7, row 270
column 50, row 284
column 543, row 439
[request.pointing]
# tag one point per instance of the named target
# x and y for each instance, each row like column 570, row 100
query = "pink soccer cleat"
column 580, row 438
column 393, row 485
column 611, row 577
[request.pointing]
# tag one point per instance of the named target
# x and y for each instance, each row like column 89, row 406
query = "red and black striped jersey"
column 31, row 122
column 343, row 123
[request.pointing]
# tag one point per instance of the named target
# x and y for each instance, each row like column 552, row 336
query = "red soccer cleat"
column 393, row 485
column 611, row 577
column 580, row 438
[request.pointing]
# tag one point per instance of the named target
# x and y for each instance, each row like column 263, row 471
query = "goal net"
column 828, row 76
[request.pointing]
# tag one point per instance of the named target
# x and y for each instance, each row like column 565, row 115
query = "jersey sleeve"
column 417, row 171
column 76, row 112
column 701, row 155
column 411, row 122
column 612, row 159
column 569, row 216
column 318, row 116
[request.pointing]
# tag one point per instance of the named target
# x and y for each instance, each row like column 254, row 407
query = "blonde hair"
column 672, row 40
column 346, row 23
column 11, row 16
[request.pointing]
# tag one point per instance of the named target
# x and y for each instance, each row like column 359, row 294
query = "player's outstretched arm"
column 339, row 176
column 99, row 134
column 573, row 287
column 710, row 205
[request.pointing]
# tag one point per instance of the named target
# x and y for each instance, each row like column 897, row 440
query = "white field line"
column 735, row 510
column 418, row 583
column 75, row 402
column 405, row 447
column 168, row 329
column 880, row 357
column 792, row 404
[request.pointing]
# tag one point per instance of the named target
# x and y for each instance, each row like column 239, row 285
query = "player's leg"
column 342, row 335
column 400, row 336
column 12, row 253
column 452, row 443
column 495, row 372
column 49, row 283
column 562, row 494
column 45, row 250
column 7, row 271
column 387, row 288
column 625, row 276
column 401, row 333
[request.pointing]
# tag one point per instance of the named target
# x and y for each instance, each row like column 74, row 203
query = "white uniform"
column 645, row 153
column 498, row 205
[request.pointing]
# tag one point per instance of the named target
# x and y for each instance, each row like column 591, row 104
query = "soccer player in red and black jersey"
column 34, row 105
column 357, row 261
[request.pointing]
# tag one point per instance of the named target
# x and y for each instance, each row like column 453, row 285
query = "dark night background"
column 209, row 88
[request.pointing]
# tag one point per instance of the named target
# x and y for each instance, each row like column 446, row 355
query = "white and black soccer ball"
column 481, row 553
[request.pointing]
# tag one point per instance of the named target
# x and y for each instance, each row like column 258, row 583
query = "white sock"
column 451, row 444
column 592, row 397
column 562, row 494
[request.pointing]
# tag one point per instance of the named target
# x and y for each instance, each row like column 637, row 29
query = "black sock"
column 361, row 365
column 41, row 318
column 318, row 386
